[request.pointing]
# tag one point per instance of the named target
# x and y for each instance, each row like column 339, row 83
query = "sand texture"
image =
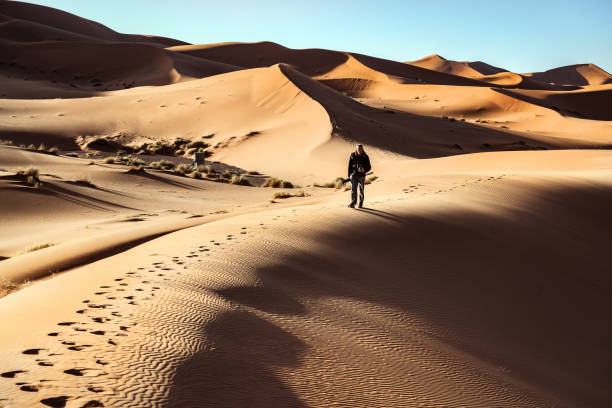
column 476, row 275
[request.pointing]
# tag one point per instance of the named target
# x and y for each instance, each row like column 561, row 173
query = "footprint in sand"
column 55, row 402
column 12, row 374
column 33, row 351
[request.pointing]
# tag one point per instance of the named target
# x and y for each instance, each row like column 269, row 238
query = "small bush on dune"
column 6, row 142
column 7, row 286
column 42, row 147
column 228, row 174
column 183, row 168
column 109, row 160
column 32, row 147
column 206, row 169
column 163, row 165
column 370, row 179
column 35, row 247
column 197, row 144
column 240, row 180
column 252, row 173
column 54, row 150
column 196, row 175
column 337, row 183
column 277, row 183
column 31, row 176
column 286, row 194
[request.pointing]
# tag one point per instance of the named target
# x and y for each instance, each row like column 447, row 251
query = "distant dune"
column 476, row 275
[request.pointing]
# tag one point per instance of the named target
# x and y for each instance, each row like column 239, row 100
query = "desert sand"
column 477, row 275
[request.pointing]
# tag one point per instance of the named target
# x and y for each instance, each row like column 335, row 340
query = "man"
column 359, row 165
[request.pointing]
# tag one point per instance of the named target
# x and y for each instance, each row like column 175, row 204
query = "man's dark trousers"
column 357, row 180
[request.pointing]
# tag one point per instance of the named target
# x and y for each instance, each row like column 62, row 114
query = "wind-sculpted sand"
column 477, row 275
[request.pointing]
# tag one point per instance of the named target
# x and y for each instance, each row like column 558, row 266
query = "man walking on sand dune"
column 359, row 165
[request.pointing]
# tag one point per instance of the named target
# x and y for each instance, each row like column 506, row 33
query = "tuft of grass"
column 370, row 179
column 286, row 194
column 72, row 154
column 228, row 175
column 54, row 150
column 109, row 160
column 6, row 142
column 163, row 165
column 252, row 173
column 277, row 183
column 31, row 176
column 337, row 183
column 196, row 175
column 84, row 181
column 42, row 147
column 197, row 144
column 240, row 180
column 183, row 169
column 31, row 147
column 7, row 286
column 35, row 247
column 206, row 169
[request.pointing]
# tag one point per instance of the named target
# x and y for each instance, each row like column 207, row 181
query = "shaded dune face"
column 456, row 302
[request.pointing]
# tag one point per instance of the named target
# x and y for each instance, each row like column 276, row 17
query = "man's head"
column 359, row 149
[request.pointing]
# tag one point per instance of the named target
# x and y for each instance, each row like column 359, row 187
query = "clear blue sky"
column 520, row 35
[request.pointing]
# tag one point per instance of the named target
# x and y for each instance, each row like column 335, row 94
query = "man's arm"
column 368, row 167
column 350, row 166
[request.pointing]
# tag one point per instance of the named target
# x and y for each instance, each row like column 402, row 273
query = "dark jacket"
column 357, row 161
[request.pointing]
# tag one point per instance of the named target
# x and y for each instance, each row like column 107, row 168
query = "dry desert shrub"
column 370, row 179
column 183, row 169
column 109, row 160
column 31, row 176
column 206, row 169
column 54, row 150
column 286, row 194
column 197, row 144
column 35, row 247
column 277, row 183
column 163, row 165
column 240, row 180
column 7, row 286
column 42, row 147
column 337, row 183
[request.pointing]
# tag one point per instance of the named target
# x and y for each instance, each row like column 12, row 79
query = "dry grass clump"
column 206, row 169
column 54, row 150
column 195, row 174
column 277, row 183
column 163, row 165
column 228, row 175
column 7, row 286
column 370, row 179
column 109, row 160
column 35, row 247
column 42, row 147
column 240, row 180
column 183, row 169
column 337, row 183
column 197, row 144
column 72, row 154
column 252, row 173
column 286, row 194
column 31, row 176
column 6, row 142
column 84, row 181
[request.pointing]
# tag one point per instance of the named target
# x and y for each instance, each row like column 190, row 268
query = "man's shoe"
column 360, row 205
column 351, row 205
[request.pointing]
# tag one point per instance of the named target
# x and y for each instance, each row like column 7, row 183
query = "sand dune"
column 475, row 276
column 279, row 314
column 51, row 24
column 579, row 75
